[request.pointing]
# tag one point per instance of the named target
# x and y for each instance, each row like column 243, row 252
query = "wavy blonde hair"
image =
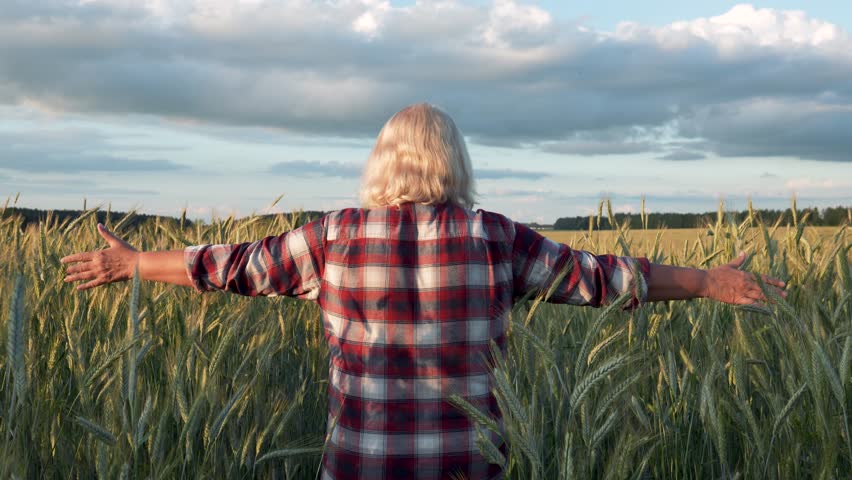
column 420, row 156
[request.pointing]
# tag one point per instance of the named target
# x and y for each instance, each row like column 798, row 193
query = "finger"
column 770, row 288
column 773, row 284
column 752, row 302
column 773, row 281
column 93, row 283
column 78, row 257
column 747, row 300
column 111, row 239
column 88, row 275
column 753, row 295
column 79, row 267
column 778, row 292
column 737, row 262
column 754, row 289
column 740, row 298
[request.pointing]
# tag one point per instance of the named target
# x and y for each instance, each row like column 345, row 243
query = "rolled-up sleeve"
column 289, row 264
column 577, row 277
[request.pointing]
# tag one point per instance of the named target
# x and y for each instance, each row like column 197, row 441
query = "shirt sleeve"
column 541, row 265
column 290, row 264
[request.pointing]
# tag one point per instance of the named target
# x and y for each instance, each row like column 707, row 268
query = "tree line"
column 128, row 219
column 831, row 216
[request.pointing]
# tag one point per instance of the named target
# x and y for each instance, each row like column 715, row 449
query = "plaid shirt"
column 410, row 296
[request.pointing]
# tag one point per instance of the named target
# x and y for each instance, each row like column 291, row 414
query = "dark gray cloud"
column 683, row 155
column 613, row 140
column 597, row 147
column 508, row 73
column 762, row 128
column 507, row 173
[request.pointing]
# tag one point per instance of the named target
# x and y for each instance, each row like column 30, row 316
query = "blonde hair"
column 420, row 156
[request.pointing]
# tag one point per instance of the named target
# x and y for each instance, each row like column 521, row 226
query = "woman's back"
column 411, row 298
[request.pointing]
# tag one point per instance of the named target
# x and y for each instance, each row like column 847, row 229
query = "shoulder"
column 348, row 222
column 492, row 217
column 496, row 225
column 345, row 216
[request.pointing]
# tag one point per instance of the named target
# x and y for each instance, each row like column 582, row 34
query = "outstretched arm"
column 118, row 262
column 725, row 283
column 289, row 264
column 595, row 280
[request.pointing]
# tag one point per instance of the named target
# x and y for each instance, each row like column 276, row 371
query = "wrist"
column 705, row 284
column 136, row 265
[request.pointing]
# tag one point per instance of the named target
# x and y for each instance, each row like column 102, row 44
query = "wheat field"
column 671, row 239
column 152, row 381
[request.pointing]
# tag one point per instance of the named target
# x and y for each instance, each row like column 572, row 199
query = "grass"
column 154, row 381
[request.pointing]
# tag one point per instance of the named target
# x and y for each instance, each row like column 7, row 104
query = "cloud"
column 805, row 129
column 741, row 28
column 507, row 173
column 35, row 163
column 304, row 168
column 78, row 187
column 683, row 155
column 748, row 82
column 516, row 192
column 609, row 141
column 72, row 151
column 590, row 148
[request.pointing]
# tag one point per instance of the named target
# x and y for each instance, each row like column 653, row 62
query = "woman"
column 412, row 288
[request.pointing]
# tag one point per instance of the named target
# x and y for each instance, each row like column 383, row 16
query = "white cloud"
column 740, row 29
column 748, row 82
column 768, row 27
column 510, row 23
column 369, row 22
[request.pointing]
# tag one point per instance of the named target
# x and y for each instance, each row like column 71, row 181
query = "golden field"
column 601, row 241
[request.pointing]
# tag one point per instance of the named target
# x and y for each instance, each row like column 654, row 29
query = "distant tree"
column 35, row 216
column 833, row 216
column 830, row 216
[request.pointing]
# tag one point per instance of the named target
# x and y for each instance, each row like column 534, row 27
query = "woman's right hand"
column 100, row 267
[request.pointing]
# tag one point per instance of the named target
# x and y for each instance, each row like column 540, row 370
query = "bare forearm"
column 725, row 283
column 166, row 267
column 667, row 282
column 118, row 263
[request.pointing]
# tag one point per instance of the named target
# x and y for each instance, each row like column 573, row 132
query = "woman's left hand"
column 116, row 263
column 726, row 283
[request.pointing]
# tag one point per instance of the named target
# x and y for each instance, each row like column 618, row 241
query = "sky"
column 220, row 106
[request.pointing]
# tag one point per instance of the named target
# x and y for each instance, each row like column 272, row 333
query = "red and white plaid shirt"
column 411, row 296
